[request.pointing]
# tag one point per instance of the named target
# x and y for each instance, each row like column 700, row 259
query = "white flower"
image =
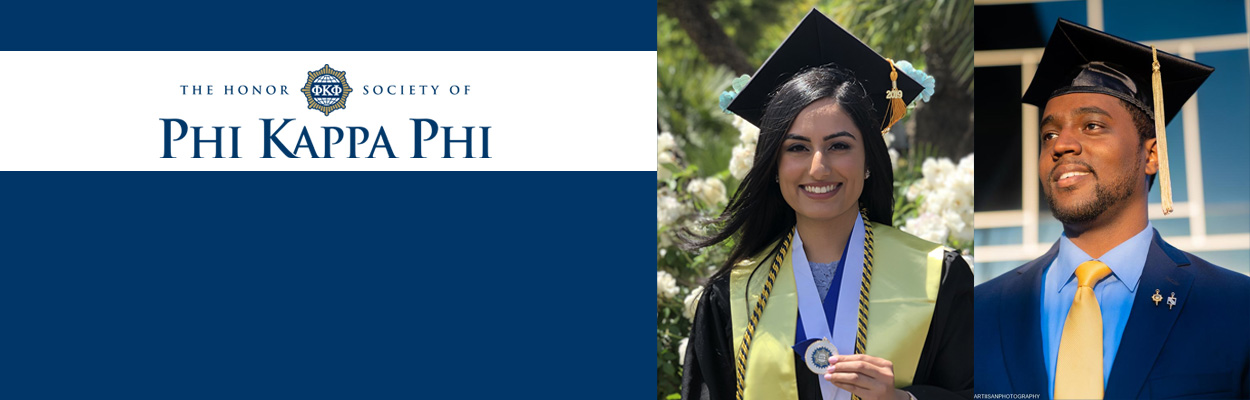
column 966, row 164
column 961, row 235
column 692, row 303
column 916, row 189
column 747, row 133
column 946, row 210
column 927, row 226
column 714, row 191
column 663, row 173
column 937, row 168
column 668, row 209
column 938, row 200
column 665, row 143
column 742, row 161
column 964, row 174
column 665, row 285
column 953, row 220
column 666, row 146
column 665, row 158
column 710, row 191
column 681, row 351
column 665, row 240
column 744, row 152
column 893, row 159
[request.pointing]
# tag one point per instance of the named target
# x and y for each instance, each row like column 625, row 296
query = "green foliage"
column 908, row 172
column 903, row 29
column 893, row 28
column 689, row 268
column 759, row 26
column 687, row 97
column 668, row 333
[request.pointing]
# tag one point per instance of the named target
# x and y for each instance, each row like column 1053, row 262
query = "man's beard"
column 1105, row 196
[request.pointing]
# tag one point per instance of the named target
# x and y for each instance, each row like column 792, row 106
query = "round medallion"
column 817, row 356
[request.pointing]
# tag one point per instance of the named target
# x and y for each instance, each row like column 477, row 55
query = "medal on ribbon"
column 816, row 354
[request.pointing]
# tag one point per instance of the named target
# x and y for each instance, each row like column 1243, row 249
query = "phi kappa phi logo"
column 326, row 90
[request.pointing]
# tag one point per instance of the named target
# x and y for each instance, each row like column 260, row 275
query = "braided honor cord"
column 861, row 335
column 865, row 284
column 759, row 310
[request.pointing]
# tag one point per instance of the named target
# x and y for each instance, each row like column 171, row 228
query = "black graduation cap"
column 818, row 41
column 1079, row 59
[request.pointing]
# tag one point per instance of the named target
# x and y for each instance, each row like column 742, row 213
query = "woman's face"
column 821, row 168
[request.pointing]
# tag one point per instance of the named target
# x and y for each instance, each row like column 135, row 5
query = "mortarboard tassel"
column 898, row 108
column 1165, row 178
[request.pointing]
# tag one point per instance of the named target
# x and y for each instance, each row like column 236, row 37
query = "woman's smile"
column 821, row 190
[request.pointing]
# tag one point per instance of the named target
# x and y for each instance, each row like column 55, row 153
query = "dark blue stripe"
column 830, row 303
column 159, row 285
column 331, row 25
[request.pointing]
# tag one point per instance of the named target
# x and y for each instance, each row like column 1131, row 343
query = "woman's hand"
column 868, row 377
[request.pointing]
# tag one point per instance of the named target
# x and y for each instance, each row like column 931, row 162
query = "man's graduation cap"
column 818, row 41
column 1079, row 59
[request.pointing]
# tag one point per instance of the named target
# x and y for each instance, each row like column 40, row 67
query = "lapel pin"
column 1157, row 297
column 1171, row 300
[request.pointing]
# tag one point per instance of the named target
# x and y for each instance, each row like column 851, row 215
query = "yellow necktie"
column 1078, row 374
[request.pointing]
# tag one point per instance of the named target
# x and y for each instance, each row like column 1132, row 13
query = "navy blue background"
column 331, row 25
column 325, row 284
column 160, row 285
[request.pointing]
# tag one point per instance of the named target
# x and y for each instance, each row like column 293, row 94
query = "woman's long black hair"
column 757, row 215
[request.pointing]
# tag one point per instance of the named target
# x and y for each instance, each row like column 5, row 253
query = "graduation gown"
column 944, row 370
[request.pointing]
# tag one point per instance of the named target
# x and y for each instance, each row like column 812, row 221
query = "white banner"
column 526, row 111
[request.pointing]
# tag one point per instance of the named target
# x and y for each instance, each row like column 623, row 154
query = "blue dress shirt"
column 1115, row 295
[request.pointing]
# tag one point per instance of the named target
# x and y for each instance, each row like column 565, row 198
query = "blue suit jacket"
column 1199, row 348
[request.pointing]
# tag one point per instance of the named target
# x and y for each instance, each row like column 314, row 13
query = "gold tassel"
column 897, row 108
column 1165, row 178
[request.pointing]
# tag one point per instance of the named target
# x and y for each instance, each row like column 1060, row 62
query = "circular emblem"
column 326, row 89
column 817, row 356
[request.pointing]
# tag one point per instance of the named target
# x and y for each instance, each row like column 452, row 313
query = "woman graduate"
column 821, row 298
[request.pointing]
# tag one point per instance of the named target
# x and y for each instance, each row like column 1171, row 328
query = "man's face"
column 1092, row 159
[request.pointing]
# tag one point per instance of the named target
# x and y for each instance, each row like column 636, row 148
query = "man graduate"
column 1112, row 310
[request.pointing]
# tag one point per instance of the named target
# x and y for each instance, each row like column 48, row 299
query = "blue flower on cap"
column 728, row 96
column 924, row 79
